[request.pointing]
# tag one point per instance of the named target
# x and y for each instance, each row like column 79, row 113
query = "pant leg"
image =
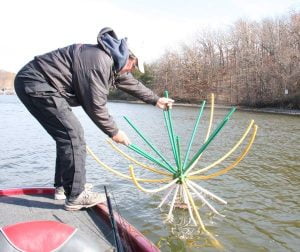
column 58, row 180
column 55, row 115
column 71, row 150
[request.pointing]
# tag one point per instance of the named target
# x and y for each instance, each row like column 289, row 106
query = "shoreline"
column 271, row 110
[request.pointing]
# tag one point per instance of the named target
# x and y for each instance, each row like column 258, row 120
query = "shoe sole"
column 78, row 207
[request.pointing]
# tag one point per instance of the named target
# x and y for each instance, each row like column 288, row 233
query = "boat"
column 32, row 221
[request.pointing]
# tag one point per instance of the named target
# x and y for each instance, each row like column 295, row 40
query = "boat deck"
column 23, row 208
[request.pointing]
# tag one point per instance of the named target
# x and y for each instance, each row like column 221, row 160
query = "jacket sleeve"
column 94, row 98
column 130, row 85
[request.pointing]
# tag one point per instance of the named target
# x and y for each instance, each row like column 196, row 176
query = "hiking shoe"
column 88, row 186
column 85, row 200
column 59, row 193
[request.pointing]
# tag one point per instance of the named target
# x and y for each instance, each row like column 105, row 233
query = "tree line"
column 6, row 81
column 252, row 64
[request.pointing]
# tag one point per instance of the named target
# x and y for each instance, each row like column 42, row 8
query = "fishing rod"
column 118, row 242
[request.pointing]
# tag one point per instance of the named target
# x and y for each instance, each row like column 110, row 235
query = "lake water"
column 263, row 210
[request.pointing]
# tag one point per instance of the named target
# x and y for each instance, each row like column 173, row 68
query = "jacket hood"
column 116, row 48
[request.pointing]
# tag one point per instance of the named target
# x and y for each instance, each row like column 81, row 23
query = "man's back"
column 69, row 67
column 57, row 68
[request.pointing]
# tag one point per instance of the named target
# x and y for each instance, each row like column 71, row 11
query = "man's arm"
column 94, row 98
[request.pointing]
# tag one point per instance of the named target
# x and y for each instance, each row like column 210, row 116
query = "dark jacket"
column 83, row 75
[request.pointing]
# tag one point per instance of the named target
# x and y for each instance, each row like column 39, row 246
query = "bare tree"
column 252, row 64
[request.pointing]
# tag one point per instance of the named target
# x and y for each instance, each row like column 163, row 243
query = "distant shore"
column 282, row 111
column 272, row 110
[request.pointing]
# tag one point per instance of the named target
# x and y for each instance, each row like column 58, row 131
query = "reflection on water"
column 262, row 192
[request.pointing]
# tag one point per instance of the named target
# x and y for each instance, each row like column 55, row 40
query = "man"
column 80, row 74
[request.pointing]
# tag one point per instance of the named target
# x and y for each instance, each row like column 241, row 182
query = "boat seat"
column 46, row 236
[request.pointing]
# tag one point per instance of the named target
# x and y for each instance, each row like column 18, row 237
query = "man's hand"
column 121, row 138
column 164, row 103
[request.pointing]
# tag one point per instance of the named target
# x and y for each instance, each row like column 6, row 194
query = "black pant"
column 55, row 115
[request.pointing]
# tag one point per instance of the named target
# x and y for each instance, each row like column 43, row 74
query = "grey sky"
column 33, row 27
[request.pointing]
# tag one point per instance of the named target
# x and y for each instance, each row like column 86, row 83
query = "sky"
column 33, row 27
